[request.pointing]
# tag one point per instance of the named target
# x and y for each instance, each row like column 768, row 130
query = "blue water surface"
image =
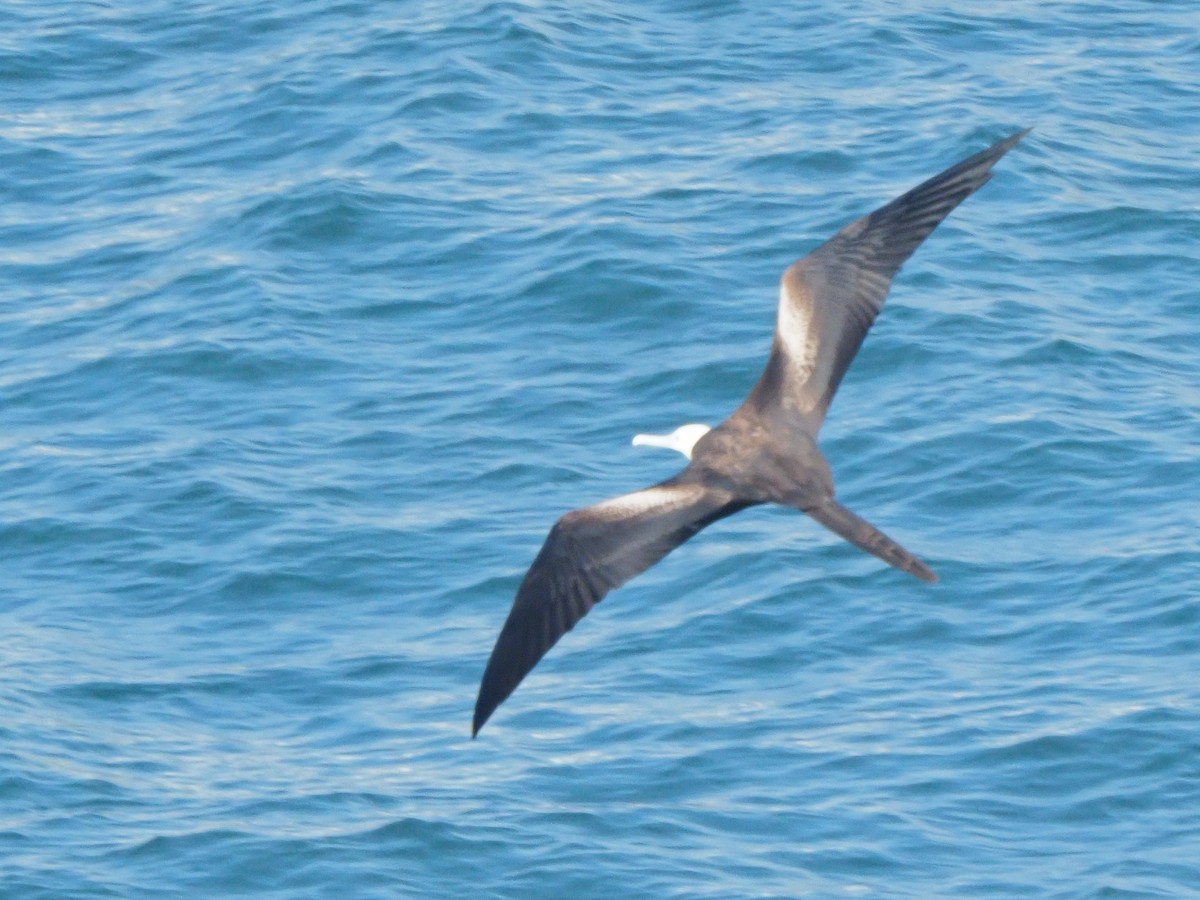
column 315, row 315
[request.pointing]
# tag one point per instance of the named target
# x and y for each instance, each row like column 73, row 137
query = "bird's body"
column 765, row 452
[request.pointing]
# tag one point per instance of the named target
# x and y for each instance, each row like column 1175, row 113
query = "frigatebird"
column 765, row 452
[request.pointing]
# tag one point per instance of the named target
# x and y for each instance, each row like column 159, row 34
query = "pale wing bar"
column 842, row 284
column 588, row 553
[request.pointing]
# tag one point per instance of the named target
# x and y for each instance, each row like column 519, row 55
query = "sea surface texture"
column 314, row 317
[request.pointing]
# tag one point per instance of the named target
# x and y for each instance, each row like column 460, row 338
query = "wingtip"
column 483, row 712
column 1003, row 145
column 993, row 153
column 1016, row 138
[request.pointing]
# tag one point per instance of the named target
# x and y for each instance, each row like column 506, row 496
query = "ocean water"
column 314, row 316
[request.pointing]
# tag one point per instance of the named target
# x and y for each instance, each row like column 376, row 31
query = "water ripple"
column 318, row 315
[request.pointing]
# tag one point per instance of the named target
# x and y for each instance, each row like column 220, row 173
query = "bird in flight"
column 765, row 452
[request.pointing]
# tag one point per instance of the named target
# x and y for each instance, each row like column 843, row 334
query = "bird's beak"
column 653, row 440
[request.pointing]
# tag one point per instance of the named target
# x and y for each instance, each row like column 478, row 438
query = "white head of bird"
column 682, row 439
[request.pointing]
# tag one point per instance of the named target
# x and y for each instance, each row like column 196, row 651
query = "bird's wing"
column 589, row 552
column 829, row 298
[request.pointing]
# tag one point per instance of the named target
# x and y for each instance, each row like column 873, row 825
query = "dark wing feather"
column 589, row 552
column 829, row 298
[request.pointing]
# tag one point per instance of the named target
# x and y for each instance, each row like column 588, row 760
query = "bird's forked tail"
column 863, row 534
